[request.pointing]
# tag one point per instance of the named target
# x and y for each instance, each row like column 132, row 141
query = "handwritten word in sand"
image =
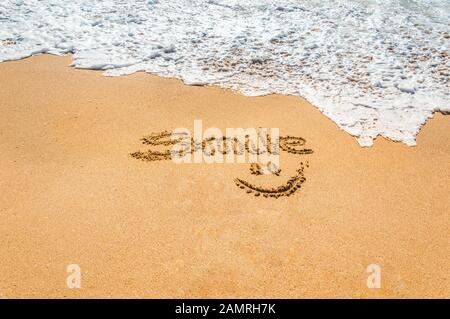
column 188, row 145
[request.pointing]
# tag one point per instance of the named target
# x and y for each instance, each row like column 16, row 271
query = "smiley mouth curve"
column 289, row 188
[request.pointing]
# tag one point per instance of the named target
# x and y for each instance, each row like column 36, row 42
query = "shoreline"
column 72, row 194
column 236, row 91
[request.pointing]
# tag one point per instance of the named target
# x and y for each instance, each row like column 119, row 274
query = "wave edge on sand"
column 373, row 67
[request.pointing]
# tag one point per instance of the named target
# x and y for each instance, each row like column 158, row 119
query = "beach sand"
column 72, row 194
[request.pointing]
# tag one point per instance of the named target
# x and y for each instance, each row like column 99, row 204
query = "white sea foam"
column 373, row 67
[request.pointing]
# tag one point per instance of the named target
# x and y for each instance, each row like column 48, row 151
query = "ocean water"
column 373, row 67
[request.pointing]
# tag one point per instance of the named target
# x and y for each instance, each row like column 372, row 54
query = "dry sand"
column 72, row 194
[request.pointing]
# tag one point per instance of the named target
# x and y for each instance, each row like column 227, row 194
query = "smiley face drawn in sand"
column 290, row 144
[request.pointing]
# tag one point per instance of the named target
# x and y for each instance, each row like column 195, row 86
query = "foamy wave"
column 373, row 67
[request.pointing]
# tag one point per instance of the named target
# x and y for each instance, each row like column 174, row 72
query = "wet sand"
column 72, row 194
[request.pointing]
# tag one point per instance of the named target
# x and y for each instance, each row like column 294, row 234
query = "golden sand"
column 73, row 194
